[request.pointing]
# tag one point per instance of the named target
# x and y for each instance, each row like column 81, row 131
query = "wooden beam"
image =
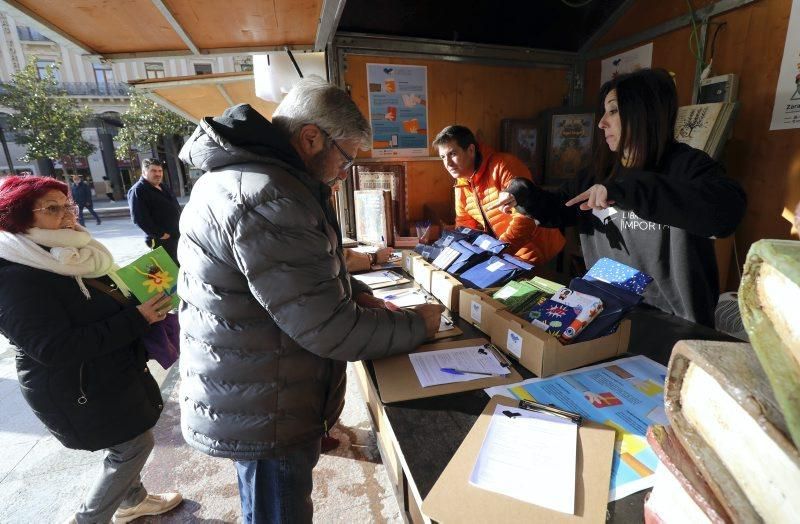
column 176, row 26
column 606, row 27
column 168, row 105
column 328, row 22
column 225, row 95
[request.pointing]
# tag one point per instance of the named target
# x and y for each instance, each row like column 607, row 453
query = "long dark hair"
column 648, row 106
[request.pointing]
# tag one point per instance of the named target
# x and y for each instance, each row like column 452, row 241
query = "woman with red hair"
column 80, row 360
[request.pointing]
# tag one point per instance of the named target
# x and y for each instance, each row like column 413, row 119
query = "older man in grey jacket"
column 269, row 313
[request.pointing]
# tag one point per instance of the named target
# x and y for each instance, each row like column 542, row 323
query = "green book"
column 150, row 274
column 546, row 285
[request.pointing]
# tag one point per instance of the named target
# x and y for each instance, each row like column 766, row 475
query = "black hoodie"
column 664, row 223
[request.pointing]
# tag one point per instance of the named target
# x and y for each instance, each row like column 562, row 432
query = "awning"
column 119, row 30
column 195, row 97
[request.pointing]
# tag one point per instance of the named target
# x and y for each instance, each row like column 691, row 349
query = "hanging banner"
column 626, row 62
column 786, row 110
column 398, row 110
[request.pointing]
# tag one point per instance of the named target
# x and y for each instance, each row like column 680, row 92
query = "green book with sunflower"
column 151, row 274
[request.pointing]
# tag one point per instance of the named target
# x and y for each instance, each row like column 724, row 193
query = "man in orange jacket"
column 480, row 174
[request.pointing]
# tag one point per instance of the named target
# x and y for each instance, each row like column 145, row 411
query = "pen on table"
column 399, row 294
column 454, row 371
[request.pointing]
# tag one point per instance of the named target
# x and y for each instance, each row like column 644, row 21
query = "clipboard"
column 452, row 332
column 454, row 499
column 397, row 380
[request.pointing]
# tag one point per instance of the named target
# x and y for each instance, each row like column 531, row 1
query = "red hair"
column 17, row 197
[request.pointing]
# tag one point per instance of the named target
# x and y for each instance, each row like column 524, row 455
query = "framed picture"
column 525, row 140
column 570, row 139
column 391, row 177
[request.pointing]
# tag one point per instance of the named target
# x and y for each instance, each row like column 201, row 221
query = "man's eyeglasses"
column 348, row 159
column 56, row 210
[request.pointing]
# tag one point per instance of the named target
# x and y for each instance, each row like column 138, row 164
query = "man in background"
column 155, row 209
column 269, row 313
column 480, row 174
column 82, row 196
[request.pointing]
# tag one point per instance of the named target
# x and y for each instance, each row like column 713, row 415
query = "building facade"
column 103, row 88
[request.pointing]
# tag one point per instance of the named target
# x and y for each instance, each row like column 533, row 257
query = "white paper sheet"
column 529, row 456
column 428, row 365
column 403, row 297
column 445, row 324
column 377, row 277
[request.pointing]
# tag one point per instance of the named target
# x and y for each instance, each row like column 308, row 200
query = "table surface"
column 429, row 431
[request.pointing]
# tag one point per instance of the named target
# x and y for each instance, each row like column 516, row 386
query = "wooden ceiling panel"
column 197, row 100
column 245, row 93
column 109, row 26
column 214, row 24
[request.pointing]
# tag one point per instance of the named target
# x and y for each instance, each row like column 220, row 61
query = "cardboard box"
column 408, row 261
column 543, row 354
column 479, row 308
column 446, row 288
column 423, row 270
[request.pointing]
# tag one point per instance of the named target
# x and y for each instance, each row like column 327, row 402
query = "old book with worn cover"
column 374, row 223
column 723, row 411
column 680, row 493
column 769, row 300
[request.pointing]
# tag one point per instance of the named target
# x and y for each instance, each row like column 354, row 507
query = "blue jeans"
column 278, row 490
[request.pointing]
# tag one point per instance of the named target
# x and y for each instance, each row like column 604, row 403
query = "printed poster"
column 786, row 110
column 398, row 110
column 626, row 394
column 626, row 62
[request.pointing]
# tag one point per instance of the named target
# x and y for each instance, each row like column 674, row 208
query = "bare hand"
column 596, row 197
column 155, row 308
column 165, row 236
column 506, row 202
column 432, row 315
column 369, row 301
column 382, row 255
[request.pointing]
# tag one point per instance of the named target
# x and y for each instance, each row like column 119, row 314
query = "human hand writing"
column 431, row 314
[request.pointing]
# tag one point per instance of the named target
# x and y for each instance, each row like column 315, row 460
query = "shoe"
column 71, row 520
column 99, row 222
column 151, row 505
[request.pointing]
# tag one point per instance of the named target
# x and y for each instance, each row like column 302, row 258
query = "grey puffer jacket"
column 267, row 315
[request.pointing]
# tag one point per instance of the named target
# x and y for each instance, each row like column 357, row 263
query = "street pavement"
column 41, row 481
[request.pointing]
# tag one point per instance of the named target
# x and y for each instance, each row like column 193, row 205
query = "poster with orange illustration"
column 398, row 109
column 150, row 274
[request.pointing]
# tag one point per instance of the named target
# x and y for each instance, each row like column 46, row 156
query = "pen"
column 400, row 294
column 454, row 371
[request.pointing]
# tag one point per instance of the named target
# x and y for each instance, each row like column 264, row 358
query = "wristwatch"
column 373, row 258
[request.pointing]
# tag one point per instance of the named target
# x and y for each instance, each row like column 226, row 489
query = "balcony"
column 94, row 89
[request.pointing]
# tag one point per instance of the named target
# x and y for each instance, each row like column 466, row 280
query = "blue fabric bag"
column 470, row 256
column 495, row 272
column 617, row 302
column 489, row 243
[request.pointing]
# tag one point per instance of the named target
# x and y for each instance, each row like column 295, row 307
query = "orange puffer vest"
column 526, row 239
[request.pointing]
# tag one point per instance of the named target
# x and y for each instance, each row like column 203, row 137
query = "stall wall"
column 474, row 95
column 766, row 163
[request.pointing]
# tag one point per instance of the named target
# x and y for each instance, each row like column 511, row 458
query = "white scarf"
column 73, row 252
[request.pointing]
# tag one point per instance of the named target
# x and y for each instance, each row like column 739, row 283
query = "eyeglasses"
column 348, row 159
column 56, row 210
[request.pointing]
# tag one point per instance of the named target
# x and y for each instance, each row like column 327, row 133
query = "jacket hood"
column 241, row 134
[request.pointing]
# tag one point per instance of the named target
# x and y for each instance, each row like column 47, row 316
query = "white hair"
column 314, row 101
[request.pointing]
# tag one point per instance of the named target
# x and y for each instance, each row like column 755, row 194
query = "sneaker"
column 151, row 505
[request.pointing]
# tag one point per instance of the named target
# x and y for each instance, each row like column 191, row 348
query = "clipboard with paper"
column 455, row 499
column 398, row 380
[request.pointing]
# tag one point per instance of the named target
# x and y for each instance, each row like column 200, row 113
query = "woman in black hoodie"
column 647, row 201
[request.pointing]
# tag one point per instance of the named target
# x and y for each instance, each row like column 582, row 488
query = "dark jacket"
column 155, row 212
column 70, row 349
column 267, row 314
column 81, row 193
column 663, row 226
